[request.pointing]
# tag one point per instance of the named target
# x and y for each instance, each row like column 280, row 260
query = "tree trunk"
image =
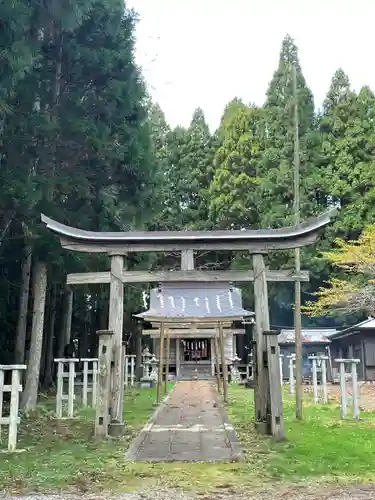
column 5, row 225
column 104, row 307
column 85, row 333
column 19, row 357
column 48, row 365
column 66, row 322
column 30, row 395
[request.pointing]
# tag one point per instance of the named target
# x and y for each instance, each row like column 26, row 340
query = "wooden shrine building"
column 257, row 243
column 190, row 313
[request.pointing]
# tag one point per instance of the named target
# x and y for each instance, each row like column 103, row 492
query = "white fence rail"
column 83, row 383
column 15, row 388
column 352, row 363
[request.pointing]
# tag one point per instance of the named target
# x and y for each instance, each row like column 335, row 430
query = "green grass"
column 321, row 447
column 63, row 455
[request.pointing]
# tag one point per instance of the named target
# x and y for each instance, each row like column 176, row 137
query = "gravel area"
column 285, row 493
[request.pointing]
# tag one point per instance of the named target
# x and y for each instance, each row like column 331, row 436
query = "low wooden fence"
column 82, row 377
column 352, row 364
column 14, row 388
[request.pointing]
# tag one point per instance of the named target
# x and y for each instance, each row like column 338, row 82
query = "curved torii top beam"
column 258, row 240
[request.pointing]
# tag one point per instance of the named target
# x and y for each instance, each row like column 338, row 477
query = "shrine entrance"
column 196, row 350
column 196, row 359
column 208, row 309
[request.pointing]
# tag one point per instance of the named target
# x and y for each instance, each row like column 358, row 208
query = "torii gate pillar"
column 115, row 324
column 262, row 323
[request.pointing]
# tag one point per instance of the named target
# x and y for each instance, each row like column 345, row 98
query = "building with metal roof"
column 315, row 341
column 309, row 335
column 191, row 313
column 356, row 341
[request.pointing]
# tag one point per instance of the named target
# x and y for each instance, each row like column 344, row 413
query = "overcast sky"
column 205, row 52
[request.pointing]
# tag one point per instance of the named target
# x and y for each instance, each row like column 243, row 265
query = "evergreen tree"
column 200, row 148
column 160, row 134
column 345, row 170
column 276, row 171
column 278, row 145
column 188, row 172
column 234, row 189
column 76, row 144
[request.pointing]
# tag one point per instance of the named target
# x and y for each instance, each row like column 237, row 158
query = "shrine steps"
column 196, row 377
column 194, row 372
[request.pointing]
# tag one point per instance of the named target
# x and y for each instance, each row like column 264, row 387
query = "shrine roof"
column 190, row 301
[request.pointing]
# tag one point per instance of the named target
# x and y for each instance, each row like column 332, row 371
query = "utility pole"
column 297, row 312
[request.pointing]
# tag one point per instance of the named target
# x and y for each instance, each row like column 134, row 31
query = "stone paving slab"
column 191, row 425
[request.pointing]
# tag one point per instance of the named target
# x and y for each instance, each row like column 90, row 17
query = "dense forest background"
column 82, row 142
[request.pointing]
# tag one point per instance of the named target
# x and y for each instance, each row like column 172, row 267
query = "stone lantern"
column 148, row 379
column 235, row 374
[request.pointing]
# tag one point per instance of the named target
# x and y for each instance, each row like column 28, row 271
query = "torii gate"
column 256, row 242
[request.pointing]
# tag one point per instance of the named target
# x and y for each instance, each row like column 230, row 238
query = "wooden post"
column 126, row 371
column 85, row 386
column 187, row 260
column 281, row 368
column 217, row 362
column 355, row 388
column 344, row 409
column 123, row 357
column 14, row 388
column 160, row 372
column 343, row 401
column 85, row 382
column 343, row 397
column 262, row 323
column 276, row 403
column 104, row 383
column 212, row 357
column 60, row 396
column 94, row 383
column 132, row 370
column 167, row 364
column 60, row 388
column 315, row 379
column 116, row 315
column 178, row 364
column 13, row 413
column 1, row 396
column 291, row 373
column 187, row 264
column 224, row 366
column 324, row 379
column 71, row 394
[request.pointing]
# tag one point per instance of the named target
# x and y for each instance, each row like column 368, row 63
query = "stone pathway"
column 191, row 425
